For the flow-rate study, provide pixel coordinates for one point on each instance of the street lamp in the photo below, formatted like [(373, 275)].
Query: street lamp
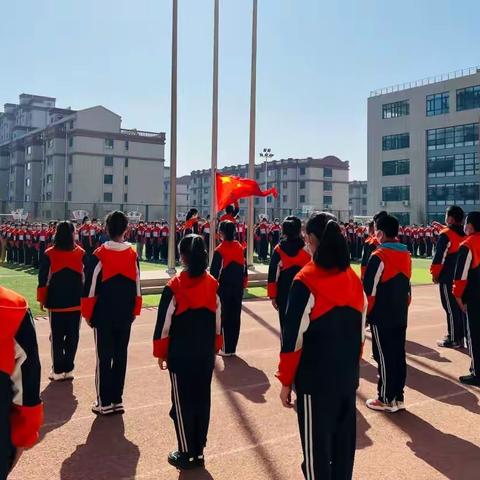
[(267, 155)]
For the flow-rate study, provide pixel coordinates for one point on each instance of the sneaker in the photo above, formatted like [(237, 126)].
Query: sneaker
[(223, 354), (99, 410), (69, 375), (379, 406), (200, 461), (447, 343), (118, 408), (182, 461), (56, 377), (470, 380), (401, 405)]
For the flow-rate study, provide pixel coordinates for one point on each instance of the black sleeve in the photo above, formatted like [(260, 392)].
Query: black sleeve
[(161, 335), (5, 405), (43, 271), (216, 266), (93, 276), (441, 250)]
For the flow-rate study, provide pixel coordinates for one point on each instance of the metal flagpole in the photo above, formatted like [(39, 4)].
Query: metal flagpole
[(213, 183), (173, 146), (251, 157)]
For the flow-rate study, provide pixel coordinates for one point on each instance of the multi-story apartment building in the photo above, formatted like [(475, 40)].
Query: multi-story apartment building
[(357, 198), (183, 191), (303, 185), (59, 160), (423, 147)]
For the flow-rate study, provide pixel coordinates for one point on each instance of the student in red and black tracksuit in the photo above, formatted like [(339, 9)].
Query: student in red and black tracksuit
[(466, 289), (288, 258), (262, 234), (21, 411), (140, 239), (206, 232), (112, 299), (231, 212), (371, 243), (229, 267), (274, 235), (321, 350), (165, 232), (187, 335), (387, 286), (156, 232), (60, 285), (191, 223), (443, 270)]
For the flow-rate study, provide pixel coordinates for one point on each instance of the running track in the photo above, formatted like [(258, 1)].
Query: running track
[(251, 436)]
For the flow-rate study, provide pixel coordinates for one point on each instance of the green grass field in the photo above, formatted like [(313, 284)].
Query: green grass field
[(24, 281)]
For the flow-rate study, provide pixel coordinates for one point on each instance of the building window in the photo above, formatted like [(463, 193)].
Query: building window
[(29, 150), (395, 194), (302, 198), (126, 180), (458, 193), (402, 217), (269, 199), (49, 161), (29, 166), (285, 171), (126, 163), (327, 200), (461, 164), (450, 137), (126, 145), (28, 182), (69, 195), (27, 198), (327, 172), (302, 170), (48, 196), (364, 201), (125, 197), (12, 169), (285, 184), (70, 141), (468, 98), (257, 175), (69, 178), (109, 143), (49, 178), (70, 159), (108, 179), (50, 143), (396, 109), (364, 190), (395, 167), (438, 104), (327, 186), (71, 124), (108, 162), (395, 142), (108, 197), (302, 185)]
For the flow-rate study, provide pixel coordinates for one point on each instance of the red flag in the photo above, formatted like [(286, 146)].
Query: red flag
[(230, 189)]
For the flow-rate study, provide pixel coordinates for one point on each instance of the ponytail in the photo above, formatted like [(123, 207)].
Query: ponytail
[(291, 227), (194, 253)]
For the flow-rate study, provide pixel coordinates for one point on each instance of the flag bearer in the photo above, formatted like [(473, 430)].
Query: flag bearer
[(112, 299), (321, 350), (466, 289), (186, 337), (387, 285), (60, 284), (229, 267)]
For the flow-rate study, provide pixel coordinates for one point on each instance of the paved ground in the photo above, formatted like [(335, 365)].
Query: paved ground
[(251, 435)]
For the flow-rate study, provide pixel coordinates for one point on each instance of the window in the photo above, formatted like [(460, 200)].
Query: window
[(69, 178), (108, 162), (364, 189), (12, 169), (458, 193), (108, 197), (395, 167), (109, 143), (48, 196), (126, 163), (269, 199), (257, 175), (438, 104), (70, 159), (364, 201), (453, 165), (302, 198), (126, 145), (108, 179), (29, 150), (125, 181), (395, 194), (302, 185), (27, 198), (71, 124), (28, 182), (29, 166), (284, 198), (49, 178), (50, 143), (125, 197), (327, 200), (403, 217), (285, 184), (450, 137), (205, 191), (49, 161), (69, 196), (302, 170), (395, 142), (396, 109), (327, 172), (285, 171), (327, 186), (468, 98), (70, 141)]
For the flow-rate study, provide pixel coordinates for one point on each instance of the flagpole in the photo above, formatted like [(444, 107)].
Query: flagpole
[(213, 183), (173, 146), (251, 157)]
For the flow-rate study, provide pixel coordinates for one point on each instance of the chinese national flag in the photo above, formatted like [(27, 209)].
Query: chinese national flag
[(231, 189)]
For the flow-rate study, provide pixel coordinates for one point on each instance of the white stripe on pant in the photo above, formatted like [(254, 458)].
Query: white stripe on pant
[(470, 347), (308, 429), (383, 369), (178, 411), (450, 313)]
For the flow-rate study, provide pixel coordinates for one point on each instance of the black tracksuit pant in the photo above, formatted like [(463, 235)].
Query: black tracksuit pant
[(231, 299), (190, 412), (473, 336), (429, 244), (21, 253), (389, 353), (328, 432), (65, 328), (111, 342), (455, 317)]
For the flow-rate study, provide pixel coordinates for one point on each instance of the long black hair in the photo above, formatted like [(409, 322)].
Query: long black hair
[(191, 213), (228, 229), (194, 253), (64, 236), (291, 227), (332, 249)]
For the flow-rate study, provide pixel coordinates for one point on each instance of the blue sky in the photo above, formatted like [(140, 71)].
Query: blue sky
[(317, 62)]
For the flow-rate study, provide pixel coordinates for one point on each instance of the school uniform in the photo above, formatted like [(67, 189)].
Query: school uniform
[(230, 269), (262, 233), (21, 245), (188, 334), (148, 243), (140, 240), (387, 286), (206, 234), (165, 232), (112, 299), (21, 411), (156, 231), (466, 286), (443, 270), (88, 238), (288, 258), (321, 349), (191, 226), (60, 285), (429, 241), (275, 231), (371, 243)]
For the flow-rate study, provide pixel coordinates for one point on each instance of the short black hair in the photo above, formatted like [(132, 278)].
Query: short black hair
[(473, 218), (117, 224), (291, 227), (229, 209), (228, 229), (388, 224), (456, 213), (64, 236), (379, 215)]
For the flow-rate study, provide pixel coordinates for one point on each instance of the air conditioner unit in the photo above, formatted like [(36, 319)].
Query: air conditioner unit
[(406, 203), (383, 204)]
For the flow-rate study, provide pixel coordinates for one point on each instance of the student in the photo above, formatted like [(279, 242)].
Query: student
[(191, 222), (187, 335), (229, 267), (387, 286), (262, 233), (288, 258), (371, 243), (60, 284), (112, 299), (443, 270), (466, 289), (321, 350), (21, 411), (231, 213), (140, 238), (274, 235)]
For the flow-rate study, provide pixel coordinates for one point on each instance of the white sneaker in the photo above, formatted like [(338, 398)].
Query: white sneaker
[(379, 406), (56, 377), (69, 375), (401, 405), (99, 410), (223, 354), (118, 408)]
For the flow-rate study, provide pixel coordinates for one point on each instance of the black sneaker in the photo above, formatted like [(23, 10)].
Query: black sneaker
[(118, 408), (470, 380), (182, 461), (200, 461), (447, 343)]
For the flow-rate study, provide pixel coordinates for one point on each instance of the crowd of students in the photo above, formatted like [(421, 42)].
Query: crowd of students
[(323, 308)]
